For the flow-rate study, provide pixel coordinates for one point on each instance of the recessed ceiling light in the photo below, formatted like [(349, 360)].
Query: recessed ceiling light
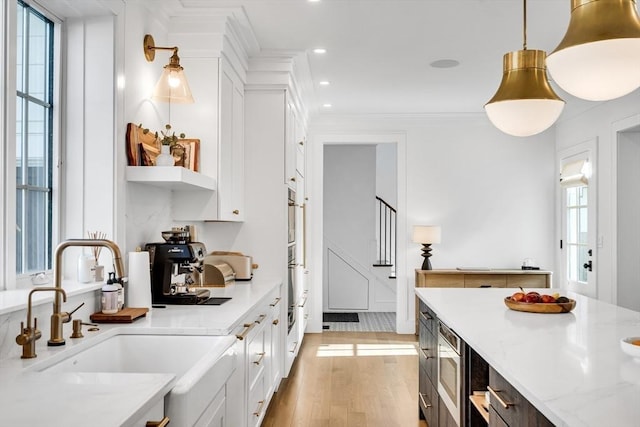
[(319, 50), (324, 83), (445, 63), (327, 105)]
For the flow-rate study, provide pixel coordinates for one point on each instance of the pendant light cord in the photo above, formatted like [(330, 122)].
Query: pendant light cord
[(524, 26)]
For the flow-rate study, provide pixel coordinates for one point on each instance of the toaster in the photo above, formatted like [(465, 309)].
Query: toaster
[(242, 265)]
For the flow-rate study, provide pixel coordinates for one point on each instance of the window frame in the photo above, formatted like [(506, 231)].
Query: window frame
[(12, 280)]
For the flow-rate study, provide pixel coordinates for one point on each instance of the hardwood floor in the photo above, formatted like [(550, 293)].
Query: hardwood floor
[(350, 379)]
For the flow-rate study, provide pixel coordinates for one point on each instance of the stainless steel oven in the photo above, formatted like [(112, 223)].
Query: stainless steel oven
[(449, 370)]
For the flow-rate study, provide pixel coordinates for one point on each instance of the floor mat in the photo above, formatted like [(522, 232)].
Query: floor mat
[(340, 317), (369, 322)]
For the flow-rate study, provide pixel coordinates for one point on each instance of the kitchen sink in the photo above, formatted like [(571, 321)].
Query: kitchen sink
[(201, 364)]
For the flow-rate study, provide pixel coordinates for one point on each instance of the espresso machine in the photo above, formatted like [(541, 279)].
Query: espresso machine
[(176, 269)]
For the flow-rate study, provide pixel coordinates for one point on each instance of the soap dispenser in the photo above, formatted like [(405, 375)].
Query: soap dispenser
[(110, 296)]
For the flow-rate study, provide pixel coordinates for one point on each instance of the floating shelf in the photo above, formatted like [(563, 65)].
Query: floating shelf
[(170, 177)]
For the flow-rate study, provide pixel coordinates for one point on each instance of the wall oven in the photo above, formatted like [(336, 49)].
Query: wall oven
[(449, 370)]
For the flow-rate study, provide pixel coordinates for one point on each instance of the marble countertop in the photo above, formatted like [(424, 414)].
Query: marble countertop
[(569, 366), (68, 399)]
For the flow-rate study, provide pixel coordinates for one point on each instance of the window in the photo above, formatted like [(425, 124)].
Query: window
[(577, 233), (34, 140)]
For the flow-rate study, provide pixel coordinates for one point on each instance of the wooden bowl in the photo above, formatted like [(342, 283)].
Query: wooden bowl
[(540, 307)]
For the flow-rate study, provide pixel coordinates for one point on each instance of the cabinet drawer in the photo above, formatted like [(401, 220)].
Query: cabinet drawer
[(428, 400), (527, 281), (257, 402), (427, 317), (256, 354), (444, 280), (495, 420), (427, 354), (516, 411), (480, 280)]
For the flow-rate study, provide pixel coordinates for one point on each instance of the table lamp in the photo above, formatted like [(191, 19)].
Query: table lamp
[(426, 235)]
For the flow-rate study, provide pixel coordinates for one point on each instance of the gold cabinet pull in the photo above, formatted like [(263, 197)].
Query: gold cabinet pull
[(304, 301), (301, 143), (162, 423), (236, 212), (424, 402), (259, 361), (275, 302), (260, 318), (259, 410), (293, 179), (247, 327), (276, 321), (504, 404)]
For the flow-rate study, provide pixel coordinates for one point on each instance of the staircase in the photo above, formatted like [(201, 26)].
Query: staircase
[(386, 236)]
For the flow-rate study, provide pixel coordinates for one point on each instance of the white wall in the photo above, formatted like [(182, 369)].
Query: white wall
[(492, 194), (602, 123), (628, 213), (387, 173)]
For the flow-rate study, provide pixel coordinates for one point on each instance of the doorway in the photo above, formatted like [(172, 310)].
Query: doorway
[(404, 295), (628, 218), (578, 202)]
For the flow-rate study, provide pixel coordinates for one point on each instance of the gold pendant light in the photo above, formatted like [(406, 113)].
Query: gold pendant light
[(525, 104), (599, 57)]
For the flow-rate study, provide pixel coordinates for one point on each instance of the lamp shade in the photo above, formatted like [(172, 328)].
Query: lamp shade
[(172, 86), (599, 57), (426, 234), (524, 104)]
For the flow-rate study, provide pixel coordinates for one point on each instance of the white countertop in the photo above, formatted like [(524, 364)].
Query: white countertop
[(569, 365), (69, 399)]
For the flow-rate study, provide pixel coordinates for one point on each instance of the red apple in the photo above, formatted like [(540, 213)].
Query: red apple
[(532, 297), (518, 296), (547, 298)]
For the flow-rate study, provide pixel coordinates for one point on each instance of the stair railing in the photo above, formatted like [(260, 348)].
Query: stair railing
[(385, 234)]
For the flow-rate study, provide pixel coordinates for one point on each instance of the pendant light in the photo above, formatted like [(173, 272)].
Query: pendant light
[(525, 104), (599, 57)]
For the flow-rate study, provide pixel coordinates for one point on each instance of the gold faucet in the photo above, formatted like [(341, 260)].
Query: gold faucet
[(29, 335), (59, 317)]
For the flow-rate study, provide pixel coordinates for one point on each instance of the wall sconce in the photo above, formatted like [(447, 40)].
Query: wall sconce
[(426, 235), (172, 85)]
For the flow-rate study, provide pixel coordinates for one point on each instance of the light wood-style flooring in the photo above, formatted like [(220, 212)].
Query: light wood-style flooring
[(350, 379)]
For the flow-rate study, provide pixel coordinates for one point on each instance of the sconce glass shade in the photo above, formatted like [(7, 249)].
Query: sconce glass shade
[(599, 57), (525, 104), (172, 86), (426, 234)]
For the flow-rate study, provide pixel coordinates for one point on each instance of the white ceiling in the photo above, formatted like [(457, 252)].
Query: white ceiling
[(379, 51)]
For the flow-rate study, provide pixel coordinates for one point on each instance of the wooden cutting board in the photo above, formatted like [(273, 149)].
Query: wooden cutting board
[(126, 315)]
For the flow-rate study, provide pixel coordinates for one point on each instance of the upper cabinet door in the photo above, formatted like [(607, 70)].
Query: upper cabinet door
[(231, 146), (219, 123)]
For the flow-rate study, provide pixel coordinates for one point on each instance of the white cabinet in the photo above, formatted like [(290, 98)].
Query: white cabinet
[(251, 388), (231, 147), (217, 119)]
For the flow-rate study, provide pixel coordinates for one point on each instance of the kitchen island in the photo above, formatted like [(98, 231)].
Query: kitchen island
[(568, 366)]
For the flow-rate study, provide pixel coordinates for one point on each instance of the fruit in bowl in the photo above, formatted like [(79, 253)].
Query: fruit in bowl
[(533, 302)]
